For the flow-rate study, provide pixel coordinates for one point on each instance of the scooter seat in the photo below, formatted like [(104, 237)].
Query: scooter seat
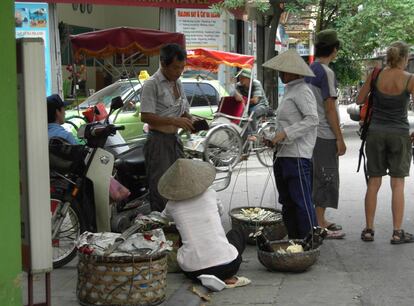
[(131, 161)]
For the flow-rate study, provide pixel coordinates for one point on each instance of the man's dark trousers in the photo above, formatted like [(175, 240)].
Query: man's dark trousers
[(161, 151)]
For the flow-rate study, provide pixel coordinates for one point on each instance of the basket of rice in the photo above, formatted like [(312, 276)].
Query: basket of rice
[(250, 219), (288, 256)]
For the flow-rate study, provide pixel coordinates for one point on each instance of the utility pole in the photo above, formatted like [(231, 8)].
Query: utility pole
[(271, 76)]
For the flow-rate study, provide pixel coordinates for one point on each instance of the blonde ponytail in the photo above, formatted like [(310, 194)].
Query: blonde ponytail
[(396, 53)]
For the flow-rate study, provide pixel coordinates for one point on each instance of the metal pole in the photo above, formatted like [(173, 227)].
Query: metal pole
[(48, 291), (30, 288)]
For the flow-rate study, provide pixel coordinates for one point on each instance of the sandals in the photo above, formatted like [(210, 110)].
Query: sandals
[(334, 227), (367, 234), (335, 235), (399, 236), (241, 281)]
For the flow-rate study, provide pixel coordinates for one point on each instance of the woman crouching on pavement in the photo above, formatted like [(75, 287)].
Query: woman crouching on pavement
[(297, 121), (195, 209)]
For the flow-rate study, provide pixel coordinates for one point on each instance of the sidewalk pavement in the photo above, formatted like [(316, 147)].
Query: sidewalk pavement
[(348, 272)]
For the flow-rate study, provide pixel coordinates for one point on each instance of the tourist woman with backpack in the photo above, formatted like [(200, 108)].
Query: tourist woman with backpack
[(388, 144)]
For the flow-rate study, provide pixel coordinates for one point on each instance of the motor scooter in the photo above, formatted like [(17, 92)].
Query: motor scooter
[(80, 183)]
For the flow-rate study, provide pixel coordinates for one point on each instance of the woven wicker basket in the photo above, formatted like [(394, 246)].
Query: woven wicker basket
[(128, 280), (171, 233), (291, 262), (273, 230)]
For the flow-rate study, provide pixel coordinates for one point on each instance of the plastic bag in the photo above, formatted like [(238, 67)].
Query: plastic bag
[(117, 191), (90, 114)]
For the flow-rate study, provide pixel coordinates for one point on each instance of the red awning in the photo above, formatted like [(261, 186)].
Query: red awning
[(123, 40), (206, 59), (152, 3)]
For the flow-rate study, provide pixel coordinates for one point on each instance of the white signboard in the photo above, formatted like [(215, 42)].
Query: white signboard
[(202, 28), (303, 50)]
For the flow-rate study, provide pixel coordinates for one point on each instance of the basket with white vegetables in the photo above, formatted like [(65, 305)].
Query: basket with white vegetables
[(251, 218), (288, 256)]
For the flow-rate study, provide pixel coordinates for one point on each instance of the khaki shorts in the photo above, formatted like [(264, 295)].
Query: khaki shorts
[(388, 154)]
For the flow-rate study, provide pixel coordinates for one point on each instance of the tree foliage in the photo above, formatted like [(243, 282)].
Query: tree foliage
[(376, 25), (364, 26), (235, 4), (331, 14)]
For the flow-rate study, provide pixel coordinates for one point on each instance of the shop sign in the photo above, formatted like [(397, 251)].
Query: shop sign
[(202, 28), (32, 21), (303, 50), (282, 39), (151, 3)]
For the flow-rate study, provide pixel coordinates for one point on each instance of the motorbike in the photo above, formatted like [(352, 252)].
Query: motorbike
[(81, 177)]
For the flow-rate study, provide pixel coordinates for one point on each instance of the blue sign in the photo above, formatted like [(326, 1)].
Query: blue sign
[(32, 20)]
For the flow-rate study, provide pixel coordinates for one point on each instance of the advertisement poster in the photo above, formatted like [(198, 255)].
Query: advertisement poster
[(32, 20), (282, 39), (202, 28)]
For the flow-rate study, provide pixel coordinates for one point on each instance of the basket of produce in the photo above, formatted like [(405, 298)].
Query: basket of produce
[(250, 219), (172, 234), (288, 256), (133, 274)]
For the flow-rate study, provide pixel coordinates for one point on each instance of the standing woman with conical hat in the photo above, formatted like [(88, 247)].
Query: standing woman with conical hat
[(295, 138)]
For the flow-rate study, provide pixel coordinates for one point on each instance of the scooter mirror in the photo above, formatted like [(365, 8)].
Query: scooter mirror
[(116, 103)]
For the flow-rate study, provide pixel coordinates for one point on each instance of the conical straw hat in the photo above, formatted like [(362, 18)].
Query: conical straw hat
[(185, 179), (289, 61)]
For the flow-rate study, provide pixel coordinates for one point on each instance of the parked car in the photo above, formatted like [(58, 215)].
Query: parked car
[(203, 96)]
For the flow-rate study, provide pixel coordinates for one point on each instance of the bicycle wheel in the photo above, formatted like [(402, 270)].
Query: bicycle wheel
[(264, 153), (223, 147), (70, 226)]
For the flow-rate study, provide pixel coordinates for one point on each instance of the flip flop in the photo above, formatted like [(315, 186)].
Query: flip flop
[(335, 235), (241, 281), (334, 227), (212, 282)]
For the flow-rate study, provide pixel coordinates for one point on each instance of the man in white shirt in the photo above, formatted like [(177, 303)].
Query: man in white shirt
[(195, 210)]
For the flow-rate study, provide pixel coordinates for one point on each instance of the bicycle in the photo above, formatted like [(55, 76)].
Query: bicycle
[(226, 143)]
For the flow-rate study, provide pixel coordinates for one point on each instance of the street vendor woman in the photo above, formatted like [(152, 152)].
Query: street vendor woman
[(164, 107), (194, 207), (297, 120)]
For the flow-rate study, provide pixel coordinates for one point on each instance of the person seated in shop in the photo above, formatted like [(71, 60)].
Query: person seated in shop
[(195, 209), (55, 119)]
